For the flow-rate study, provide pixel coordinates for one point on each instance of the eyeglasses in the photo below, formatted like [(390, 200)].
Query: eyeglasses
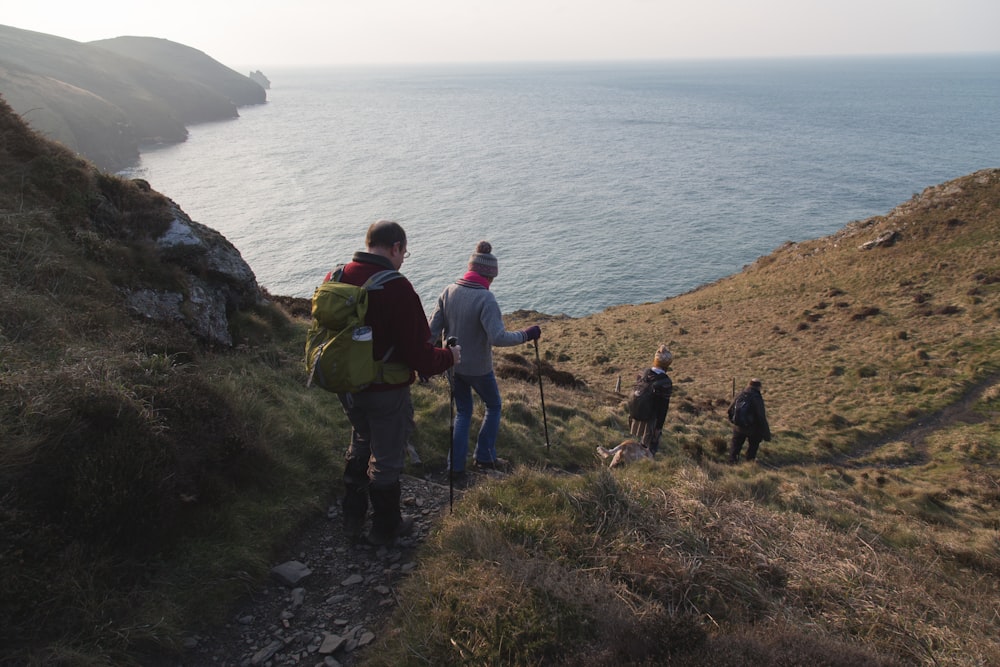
[(406, 253)]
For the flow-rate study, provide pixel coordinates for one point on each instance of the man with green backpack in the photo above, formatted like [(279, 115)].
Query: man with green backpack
[(380, 411)]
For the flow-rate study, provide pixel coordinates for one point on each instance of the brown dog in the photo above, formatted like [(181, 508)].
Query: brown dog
[(627, 452)]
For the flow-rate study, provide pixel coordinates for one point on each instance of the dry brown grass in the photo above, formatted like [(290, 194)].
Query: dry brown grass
[(671, 563), (867, 536), (834, 377)]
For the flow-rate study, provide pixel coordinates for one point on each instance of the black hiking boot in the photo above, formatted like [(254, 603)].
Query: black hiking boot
[(355, 504), (387, 521), (385, 538), (458, 479), (354, 526)]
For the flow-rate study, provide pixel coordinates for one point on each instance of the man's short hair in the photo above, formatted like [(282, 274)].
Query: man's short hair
[(384, 234)]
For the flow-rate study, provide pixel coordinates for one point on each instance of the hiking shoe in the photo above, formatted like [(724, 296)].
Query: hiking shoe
[(459, 479), (501, 465), (353, 527), (403, 529)]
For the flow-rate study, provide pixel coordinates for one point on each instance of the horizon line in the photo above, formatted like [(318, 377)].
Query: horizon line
[(632, 60)]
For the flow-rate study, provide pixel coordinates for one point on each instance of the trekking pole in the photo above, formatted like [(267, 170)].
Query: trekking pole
[(545, 421), (451, 342)]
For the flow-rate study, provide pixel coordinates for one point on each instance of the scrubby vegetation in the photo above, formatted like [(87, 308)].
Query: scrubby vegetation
[(145, 480)]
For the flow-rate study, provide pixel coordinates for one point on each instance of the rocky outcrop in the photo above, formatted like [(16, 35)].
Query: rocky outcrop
[(139, 250), (215, 281), (258, 77)]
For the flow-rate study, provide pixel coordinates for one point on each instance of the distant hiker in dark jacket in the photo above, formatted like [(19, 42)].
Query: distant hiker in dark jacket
[(753, 428), (381, 416), (648, 430), (468, 311)]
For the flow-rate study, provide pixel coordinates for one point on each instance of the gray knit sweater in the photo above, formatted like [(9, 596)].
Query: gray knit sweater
[(470, 312)]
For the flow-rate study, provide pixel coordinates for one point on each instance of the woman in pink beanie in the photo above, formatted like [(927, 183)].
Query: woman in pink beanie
[(468, 311)]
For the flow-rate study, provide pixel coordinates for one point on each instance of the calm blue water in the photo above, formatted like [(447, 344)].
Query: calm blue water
[(598, 184)]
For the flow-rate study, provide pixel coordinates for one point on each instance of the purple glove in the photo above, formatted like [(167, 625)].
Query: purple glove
[(531, 333)]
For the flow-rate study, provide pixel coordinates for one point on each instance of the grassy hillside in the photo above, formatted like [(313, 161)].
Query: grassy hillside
[(103, 99), (143, 476), (146, 480), (187, 63), (852, 342), (867, 533)]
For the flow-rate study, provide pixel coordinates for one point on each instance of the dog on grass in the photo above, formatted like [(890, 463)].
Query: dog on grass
[(625, 453)]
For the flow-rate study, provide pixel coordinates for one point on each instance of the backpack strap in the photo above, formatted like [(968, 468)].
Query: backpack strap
[(375, 283), (380, 279), (335, 274)]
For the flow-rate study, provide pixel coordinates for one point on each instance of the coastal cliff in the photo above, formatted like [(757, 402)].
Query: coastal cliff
[(160, 265), (187, 63), (103, 100)]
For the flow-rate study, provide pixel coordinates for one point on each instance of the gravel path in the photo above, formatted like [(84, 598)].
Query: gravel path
[(333, 614)]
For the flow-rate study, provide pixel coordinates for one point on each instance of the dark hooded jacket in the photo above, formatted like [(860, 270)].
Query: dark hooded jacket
[(759, 428)]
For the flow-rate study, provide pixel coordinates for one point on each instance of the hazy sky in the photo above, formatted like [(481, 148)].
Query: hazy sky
[(255, 33)]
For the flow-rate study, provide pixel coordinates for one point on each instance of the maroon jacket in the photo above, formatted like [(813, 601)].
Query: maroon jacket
[(397, 319)]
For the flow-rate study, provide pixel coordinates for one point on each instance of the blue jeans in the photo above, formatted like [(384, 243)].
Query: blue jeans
[(486, 443)]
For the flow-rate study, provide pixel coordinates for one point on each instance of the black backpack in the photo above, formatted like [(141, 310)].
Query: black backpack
[(741, 412), (640, 403)]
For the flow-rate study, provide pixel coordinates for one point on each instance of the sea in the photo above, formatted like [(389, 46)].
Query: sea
[(597, 183)]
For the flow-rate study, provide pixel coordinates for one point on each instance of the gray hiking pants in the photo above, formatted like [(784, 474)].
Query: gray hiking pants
[(381, 424)]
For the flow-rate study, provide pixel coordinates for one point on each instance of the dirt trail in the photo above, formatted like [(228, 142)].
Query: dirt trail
[(960, 412), (340, 609)]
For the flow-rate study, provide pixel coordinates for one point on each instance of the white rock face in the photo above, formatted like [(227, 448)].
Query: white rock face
[(217, 281)]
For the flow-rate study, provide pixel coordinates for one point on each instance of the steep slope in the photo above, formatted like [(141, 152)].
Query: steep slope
[(854, 335), (119, 319), (185, 62), (99, 103), (866, 532), (78, 119)]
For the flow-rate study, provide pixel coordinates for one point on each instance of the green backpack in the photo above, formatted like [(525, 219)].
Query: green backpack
[(339, 344)]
